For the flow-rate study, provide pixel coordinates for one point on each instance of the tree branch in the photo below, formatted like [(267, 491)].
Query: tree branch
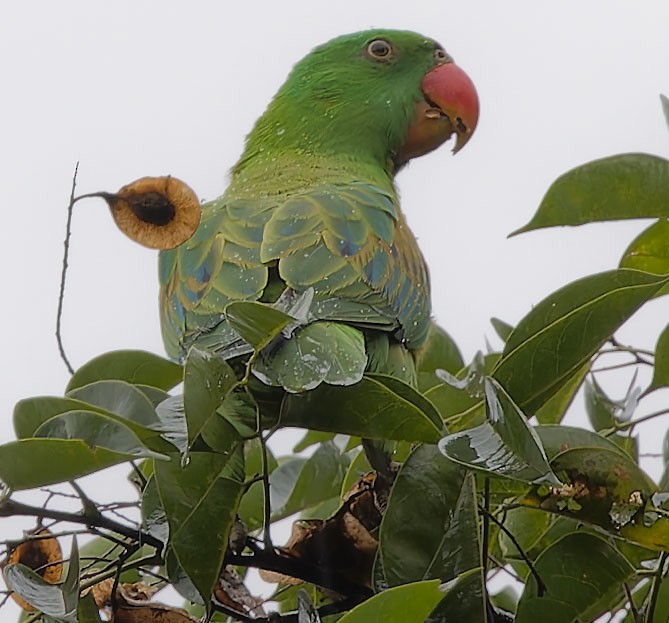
[(10, 508)]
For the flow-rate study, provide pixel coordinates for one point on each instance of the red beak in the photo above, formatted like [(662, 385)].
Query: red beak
[(452, 92)]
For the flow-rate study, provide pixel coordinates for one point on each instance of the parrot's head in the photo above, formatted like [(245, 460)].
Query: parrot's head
[(381, 95)]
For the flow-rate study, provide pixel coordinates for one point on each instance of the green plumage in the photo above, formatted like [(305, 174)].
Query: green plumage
[(312, 205)]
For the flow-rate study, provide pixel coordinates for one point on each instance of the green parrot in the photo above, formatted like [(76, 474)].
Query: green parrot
[(311, 221)]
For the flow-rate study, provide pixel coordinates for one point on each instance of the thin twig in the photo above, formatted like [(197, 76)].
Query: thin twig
[(632, 423), (541, 587), (655, 589), (66, 253), (336, 607), (632, 606)]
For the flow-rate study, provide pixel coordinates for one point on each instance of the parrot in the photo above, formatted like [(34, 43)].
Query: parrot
[(311, 222)]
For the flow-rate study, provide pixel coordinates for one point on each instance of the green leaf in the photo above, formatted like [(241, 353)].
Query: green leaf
[(439, 352), (555, 408), (410, 603), (58, 601), (358, 467), (22, 463), (207, 381), (503, 329), (528, 526), (459, 399), (31, 413), (302, 483), (661, 369), (252, 505), (171, 414), (98, 431), (257, 323), (600, 408), (200, 501), (431, 513), (87, 610), (465, 600), (120, 398), (47, 598), (562, 332), (133, 366), (154, 519), (563, 567), (607, 489), (505, 445), (557, 439), (625, 186), (378, 407), (649, 251)]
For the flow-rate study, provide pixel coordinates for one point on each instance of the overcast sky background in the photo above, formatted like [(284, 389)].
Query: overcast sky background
[(150, 88)]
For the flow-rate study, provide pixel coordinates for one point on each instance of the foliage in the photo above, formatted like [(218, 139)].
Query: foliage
[(485, 479)]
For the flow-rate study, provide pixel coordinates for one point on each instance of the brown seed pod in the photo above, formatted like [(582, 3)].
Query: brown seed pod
[(157, 212), (43, 556)]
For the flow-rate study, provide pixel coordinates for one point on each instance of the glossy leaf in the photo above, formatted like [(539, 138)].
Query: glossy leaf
[(558, 439), (600, 408), (67, 459), (607, 489), (625, 186), (661, 369), (465, 600), (649, 251), (527, 526), (562, 332), (459, 399), (563, 567), (252, 505), (43, 596), (132, 366), (301, 483), (31, 413), (58, 601), (431, 513), (378, 407), (505, 445), (410, 603), (439, 352), (358, 467), (207, 381), (503, 329), (555, 408), (154, 519), (257, 323), (98, 431), (171, 414), (87, 610), (120, 398), (209, 486)]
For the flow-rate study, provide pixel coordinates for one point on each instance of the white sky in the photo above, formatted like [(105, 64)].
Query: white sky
[(148, 88)]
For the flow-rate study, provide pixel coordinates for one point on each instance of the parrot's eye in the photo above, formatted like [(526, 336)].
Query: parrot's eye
[(440, 56), (379, 49)]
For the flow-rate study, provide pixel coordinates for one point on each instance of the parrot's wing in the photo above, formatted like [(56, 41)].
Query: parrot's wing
[(219, 264), (348, 243), (351, 244)]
